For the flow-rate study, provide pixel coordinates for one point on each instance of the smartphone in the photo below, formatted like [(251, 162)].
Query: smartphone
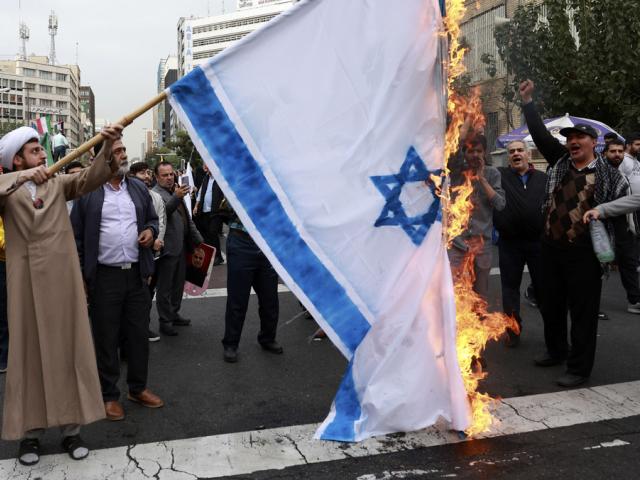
[(184, 181)]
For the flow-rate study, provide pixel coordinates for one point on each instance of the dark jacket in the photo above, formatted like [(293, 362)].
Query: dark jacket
[(522, 218), (181, 232), (217, 197), (87, 215)]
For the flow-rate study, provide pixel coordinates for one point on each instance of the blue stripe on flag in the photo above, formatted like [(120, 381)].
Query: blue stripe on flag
[(217, 132), (443, 7), (347, 408)]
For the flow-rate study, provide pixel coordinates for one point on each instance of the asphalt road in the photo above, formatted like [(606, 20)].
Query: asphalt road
[(205, 396)]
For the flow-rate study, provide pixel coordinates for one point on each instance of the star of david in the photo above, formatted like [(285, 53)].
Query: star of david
[(393, 213)]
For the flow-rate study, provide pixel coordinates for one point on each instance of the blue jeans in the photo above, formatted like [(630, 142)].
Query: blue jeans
[(4, 326)]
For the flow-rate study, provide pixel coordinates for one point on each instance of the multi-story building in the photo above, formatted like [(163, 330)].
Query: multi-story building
[(161, 112), (478, 28), (202, 38), (12, 98), (101, 123), (169, 120), (52, 90), (88, 111)]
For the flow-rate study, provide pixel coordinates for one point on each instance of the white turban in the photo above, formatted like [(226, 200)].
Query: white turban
[(12, 142)]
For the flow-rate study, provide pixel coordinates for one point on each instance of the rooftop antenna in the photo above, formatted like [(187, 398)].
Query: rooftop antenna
[(24, 36), (23, 32), (76, 53), (53, 31)]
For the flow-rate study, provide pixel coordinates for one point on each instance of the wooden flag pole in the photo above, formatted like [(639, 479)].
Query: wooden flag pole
[(124, 121)]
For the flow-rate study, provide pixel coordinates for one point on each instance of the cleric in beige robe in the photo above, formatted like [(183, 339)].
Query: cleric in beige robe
[(52, 379)]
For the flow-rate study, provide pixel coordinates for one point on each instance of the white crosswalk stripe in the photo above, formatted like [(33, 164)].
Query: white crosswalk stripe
[(278, 448)]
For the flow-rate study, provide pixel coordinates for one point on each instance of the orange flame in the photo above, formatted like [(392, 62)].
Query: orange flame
[(475, 325)]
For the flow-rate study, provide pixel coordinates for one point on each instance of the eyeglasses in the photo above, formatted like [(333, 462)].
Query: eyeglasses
[(514, 150)]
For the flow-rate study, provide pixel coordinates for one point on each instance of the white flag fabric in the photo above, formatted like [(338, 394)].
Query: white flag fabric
[(323, 129)]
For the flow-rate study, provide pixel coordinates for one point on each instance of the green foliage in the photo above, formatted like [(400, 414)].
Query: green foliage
[(6, 127), (162, 153), (184, 148), (592, 73), (175, 151)]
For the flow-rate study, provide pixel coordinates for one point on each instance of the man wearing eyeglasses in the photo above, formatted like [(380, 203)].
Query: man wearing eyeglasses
[(520, 226)]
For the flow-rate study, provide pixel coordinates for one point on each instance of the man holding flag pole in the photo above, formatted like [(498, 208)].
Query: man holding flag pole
[(52, 378), (328, 161)]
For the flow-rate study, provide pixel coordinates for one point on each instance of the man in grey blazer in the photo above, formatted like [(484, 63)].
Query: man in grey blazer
[(181, 234)]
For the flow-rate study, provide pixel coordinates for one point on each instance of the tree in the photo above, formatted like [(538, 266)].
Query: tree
[(184, 148), (162, 153), (6, 127), (584, 58)]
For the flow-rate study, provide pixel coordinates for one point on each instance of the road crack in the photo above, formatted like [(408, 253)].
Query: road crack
[(295, 445), (522, 416)]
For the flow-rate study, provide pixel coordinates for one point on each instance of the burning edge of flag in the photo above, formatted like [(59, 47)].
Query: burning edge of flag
[(475, 325)]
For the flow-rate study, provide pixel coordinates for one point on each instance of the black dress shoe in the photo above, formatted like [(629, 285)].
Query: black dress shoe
[(168, 330), (570, 380), (218, 261), (546, 360), (273, 347), (181, 322), (230, 354)]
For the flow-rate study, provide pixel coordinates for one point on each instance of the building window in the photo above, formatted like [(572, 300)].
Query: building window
[(62, 91), (46, 89), (29, 72), (207, 54), (491, 130), (45, 75), (61, 77), (60, 104), (46, 103), (220, 39), (233, 23), (479, 33)]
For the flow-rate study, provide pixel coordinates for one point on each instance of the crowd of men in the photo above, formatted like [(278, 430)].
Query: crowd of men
[(542, 221), (123, 232)]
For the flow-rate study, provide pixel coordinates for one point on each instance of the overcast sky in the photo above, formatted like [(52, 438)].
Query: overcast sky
[(120, 43)]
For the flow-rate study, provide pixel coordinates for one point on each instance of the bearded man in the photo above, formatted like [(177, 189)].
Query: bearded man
[(52, 378)]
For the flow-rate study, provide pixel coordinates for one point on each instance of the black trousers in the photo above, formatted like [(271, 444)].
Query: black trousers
[(210, 226), (170, 271), (248, 267), (571, 279), (626, 247), (119, 305), (513, 255)]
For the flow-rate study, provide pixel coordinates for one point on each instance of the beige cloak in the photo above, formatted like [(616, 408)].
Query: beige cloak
[(52, 378)]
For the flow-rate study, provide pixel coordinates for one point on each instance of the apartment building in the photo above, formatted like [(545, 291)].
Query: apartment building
[(52, 90)]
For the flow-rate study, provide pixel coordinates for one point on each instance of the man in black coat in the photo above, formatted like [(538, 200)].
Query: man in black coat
[(520, 227), (114, 229), (208, 214)]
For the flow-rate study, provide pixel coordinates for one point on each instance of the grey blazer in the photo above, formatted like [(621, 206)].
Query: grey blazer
[(176, 237)]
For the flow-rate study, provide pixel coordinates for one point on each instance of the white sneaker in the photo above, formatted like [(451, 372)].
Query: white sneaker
[(634, 308)]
